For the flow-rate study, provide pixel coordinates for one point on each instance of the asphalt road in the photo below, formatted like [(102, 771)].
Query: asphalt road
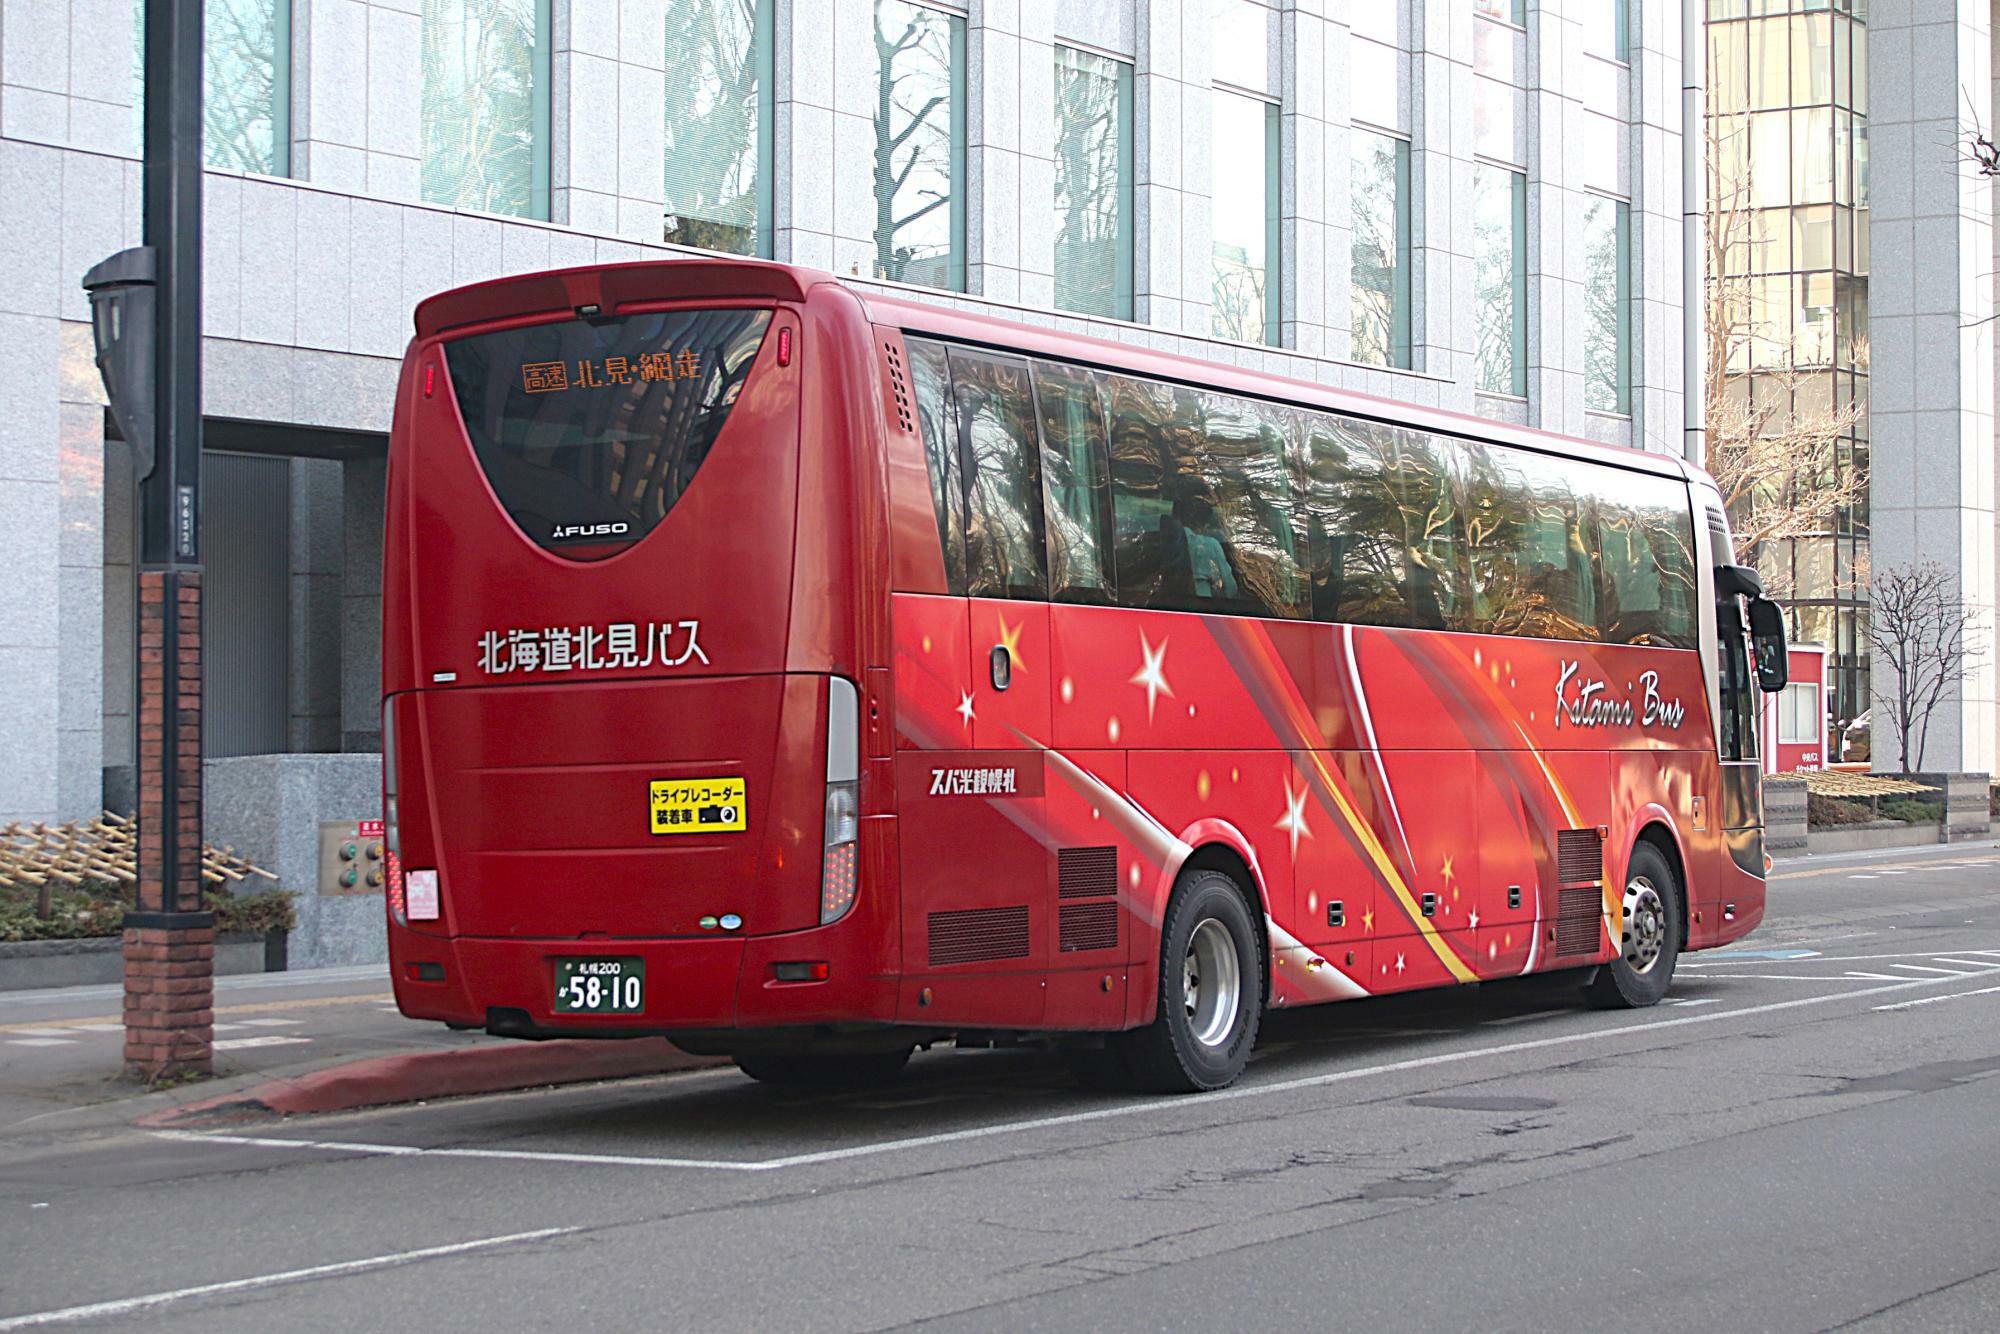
[(1801, 1139)]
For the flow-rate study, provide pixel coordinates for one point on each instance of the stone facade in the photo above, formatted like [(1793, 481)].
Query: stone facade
[(310, 280)]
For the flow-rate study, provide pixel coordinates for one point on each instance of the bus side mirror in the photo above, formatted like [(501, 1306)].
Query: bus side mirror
[(1767, 639)]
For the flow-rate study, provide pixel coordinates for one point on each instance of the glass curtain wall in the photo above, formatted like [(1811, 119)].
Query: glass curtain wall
[(1788, 127), (918, 160), (717, 169), (485, 106), (247, 84), (1093, 202)]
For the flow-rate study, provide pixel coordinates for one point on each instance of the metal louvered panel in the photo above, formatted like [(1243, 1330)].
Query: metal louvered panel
[(1579, 856), (1086, 873), (978, 935), (1578, 912), (1089, 926), (901, 384)]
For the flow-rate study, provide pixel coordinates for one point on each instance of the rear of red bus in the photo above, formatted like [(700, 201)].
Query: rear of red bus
[(632, 552)]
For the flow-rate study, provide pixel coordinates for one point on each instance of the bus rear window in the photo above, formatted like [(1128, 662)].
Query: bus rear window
[(590, 430)]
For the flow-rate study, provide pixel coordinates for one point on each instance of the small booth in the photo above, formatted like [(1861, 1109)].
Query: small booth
[(1794, 728)]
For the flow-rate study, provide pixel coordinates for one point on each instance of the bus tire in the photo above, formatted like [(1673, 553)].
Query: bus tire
[(1210, 992), (1651, 944), (827, 1070)]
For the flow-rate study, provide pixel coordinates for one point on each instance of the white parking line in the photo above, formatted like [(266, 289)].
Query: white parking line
[(41, 1042), (1704, 1000), (1137, 1108), (42, 1032), (272, 1023), (1875, 977), (127, 1305), (267, 1040), (1969, 963), (1524, 1018), (1926, 968), (1932, 1000)]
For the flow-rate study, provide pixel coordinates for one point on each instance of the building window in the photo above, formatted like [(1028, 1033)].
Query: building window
[(919, 152), (1093, 200), (1798, 714), (247, 84), (1605, 27), (1607, 260), (1381, 248), (717, 171), (1244, 241), (1500, 258), (1507, 11), (485, 108)]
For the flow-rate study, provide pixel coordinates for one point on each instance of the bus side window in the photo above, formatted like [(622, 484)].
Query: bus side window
[(1076, 481), (1645, 541), (1245, 462), (1000, 460), (1360, 533), (930, 373), (1146, 470)]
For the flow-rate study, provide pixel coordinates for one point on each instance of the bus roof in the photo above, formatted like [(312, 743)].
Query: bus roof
[(609, 286)]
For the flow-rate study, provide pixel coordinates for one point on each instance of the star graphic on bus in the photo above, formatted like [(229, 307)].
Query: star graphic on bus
[(1010, 639), (1294, 820), (1399, 963), (1150, 674), (1472, 919), (964, 709)]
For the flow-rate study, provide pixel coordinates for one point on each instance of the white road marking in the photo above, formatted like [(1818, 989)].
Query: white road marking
[(1875, 977), (1046, 1122), (127, 1305), (41, 1042), (1892, 873), (267, 1040), (272, 1023), (1969, 963), (1926, 968), (1524, 1018), (1704, 1000), (1861, 877), (42, 1032), (1932, 1000), (98, 1028)]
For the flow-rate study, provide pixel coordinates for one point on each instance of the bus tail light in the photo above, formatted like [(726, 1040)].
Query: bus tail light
[(840, 865)]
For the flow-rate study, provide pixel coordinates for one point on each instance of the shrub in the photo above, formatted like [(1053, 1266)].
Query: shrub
[(98, 908), (1911, 810), (1822, 812)]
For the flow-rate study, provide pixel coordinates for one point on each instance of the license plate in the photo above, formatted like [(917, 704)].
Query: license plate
[(699, 806), (600, 986)]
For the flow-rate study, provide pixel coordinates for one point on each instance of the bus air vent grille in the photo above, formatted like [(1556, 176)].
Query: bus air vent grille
[(1086, 873), (976, 935), (1578, 912), (1579, 856), (900, 383), (1089, 926)]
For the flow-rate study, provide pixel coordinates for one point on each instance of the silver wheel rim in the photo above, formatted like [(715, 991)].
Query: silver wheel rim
[(1213, 984), (1645, 925)]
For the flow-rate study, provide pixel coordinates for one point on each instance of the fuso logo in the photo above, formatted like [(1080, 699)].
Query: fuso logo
[(569, 531), (972, 782)]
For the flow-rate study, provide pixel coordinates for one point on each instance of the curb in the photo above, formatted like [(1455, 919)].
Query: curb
[(378, 1081)]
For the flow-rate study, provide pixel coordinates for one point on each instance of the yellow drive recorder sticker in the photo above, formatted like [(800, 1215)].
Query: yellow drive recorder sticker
[(698, 806)]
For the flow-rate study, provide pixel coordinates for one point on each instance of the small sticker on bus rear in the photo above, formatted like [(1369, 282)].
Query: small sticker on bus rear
[(699, 806)]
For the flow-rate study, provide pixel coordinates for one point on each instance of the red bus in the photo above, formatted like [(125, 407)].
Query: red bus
[(808, 674)]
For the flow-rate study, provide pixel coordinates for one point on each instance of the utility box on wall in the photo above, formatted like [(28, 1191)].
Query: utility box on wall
[(352, 857)]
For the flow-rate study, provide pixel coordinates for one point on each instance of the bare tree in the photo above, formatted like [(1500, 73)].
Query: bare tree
[(1774, 454), (1920, 631), (913, 124)]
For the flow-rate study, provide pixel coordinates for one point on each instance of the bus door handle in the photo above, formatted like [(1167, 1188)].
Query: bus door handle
[(1003, 667)]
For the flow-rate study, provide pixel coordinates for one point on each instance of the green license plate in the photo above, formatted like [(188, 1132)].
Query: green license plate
[(600, 986)]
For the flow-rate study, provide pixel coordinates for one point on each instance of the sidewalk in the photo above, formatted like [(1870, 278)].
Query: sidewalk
[(317, 1040)]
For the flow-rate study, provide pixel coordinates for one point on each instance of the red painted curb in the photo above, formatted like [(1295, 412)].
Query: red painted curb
[(378, 1081)]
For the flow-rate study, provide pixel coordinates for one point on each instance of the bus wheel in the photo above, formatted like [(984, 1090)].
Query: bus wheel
[(1651, 941), (817, 1069), (1211, 992)]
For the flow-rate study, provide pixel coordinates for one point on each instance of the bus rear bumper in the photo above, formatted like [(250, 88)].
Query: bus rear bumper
[(508, 985)]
